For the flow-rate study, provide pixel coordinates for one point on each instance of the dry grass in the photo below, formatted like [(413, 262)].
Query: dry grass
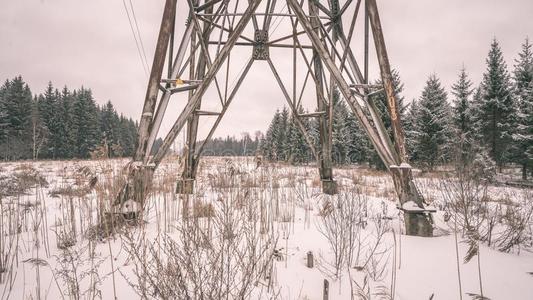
[(203, 210), (235, 208)]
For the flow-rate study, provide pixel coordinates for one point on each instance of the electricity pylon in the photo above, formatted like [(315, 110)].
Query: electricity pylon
[(314, 36)]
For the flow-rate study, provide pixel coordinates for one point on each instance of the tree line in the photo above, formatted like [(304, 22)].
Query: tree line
[(246, 145), (488, 123), (60, 124)]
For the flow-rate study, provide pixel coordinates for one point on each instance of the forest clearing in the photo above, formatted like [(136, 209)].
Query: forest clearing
[(247, 232)]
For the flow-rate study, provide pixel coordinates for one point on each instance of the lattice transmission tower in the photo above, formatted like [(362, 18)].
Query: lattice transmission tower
[(318, 36)]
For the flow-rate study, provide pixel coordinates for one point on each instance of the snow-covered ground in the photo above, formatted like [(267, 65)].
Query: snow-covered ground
[(277, 214)]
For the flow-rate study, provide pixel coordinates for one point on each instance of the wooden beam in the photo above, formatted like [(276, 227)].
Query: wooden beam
[(155, 78)]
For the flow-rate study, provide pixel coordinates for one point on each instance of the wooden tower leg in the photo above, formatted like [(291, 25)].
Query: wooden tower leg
[(329, 186), (394, 158), (415, 223), (140, 174), (185, 185)]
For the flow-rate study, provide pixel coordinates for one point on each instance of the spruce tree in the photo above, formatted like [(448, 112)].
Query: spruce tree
[(357, 144), (128, 136), (381, 102), (40, 132), (110, 131), (85, 123), (17, 108), (432, 128), (280, 140), (298, 149), (269, 145), (3, 114), (48, 106), (339, 134), (66, 137), (462, 118), (523, 82), (497, 119), (380, 99), (410, 128)]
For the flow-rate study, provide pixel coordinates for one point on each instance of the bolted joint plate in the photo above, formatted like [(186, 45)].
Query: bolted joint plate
[(260, 49)]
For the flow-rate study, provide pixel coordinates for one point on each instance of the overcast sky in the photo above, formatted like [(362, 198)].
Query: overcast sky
[(89, 43)]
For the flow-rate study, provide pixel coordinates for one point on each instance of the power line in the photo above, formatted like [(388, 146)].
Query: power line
[(139, 35), (143, 62)]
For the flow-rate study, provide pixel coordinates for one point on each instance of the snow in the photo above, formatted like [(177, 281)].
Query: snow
[(405, 165), (420, 266), (411, 206)]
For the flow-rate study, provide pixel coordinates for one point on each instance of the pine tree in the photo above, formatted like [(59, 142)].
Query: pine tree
[(3, 114), (48, 106), (432, 128), (17, 108), (339, 132), (110, 129), (410, 128), (269, 145), (380, 100), (496, 108), (281, 142), (85, 123), (462, 117), (298, 149), (40, 133), (128, 136), (357, 144), (155, 147), (66, 137), (523, 82)]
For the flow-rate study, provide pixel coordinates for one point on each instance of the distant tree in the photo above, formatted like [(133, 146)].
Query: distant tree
[(462, 118), (17, 111), (380, 99), (268, 146), (357, 144), (496, 108), (157, 144), (410, 128), (282, 143), (340, 134), (259, 139), (230, 146), (110, 129), (4, 122), (523, 83), (59, 124), (247, 143), (432, 126), (48, 110), (66, 138), (85, 123), (128, 136), (40, 132), (298, 150)]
